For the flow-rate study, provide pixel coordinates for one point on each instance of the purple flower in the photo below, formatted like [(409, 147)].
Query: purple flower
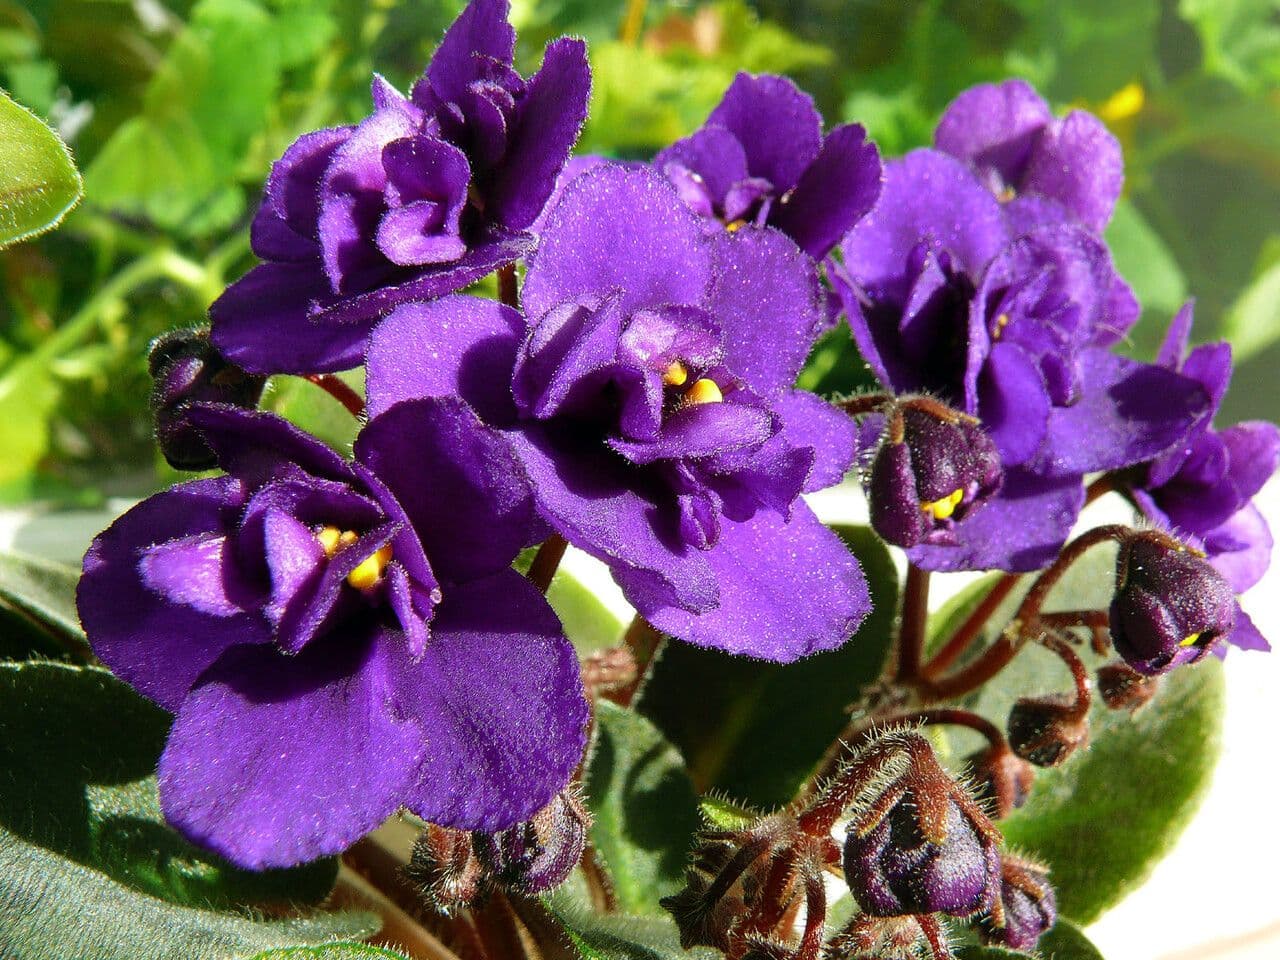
[(760, 159), (1042, 167), (946, 296), (423, 197), (338, 639), (647, 390)]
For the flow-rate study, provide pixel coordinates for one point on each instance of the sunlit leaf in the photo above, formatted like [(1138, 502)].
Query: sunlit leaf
[(39, 182)]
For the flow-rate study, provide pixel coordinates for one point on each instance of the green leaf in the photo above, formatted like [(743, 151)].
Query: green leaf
[(616, 937), (1063, 942), (1142, 258), (54, 909), (587, 622), (755, 730), (77, 753), (1253, 322), (44, 592), (312, 409), (39, 183), (644, 808), (331, 951)]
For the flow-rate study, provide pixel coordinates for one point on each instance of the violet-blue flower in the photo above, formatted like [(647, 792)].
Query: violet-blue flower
[(1043, 167), (946, 296), (426, 195), (647, 389), (338, 639), (760, 158)]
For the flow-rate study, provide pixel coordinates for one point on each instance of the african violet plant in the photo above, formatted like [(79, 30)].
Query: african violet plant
[(346, 639)]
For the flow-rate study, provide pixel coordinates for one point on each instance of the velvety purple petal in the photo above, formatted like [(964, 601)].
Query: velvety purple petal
[(596, 501), (619, 228), (1253, 448), (480, 31), (500, 701), (776, 123), (1078, 162), (259, 446), (1013, 403), (196, 571), (155, 645), (293, 188), (294, 558), (1240, 549), (273, 239), (1021, 528), (1121, 312), (261, 323), (276, 760), (994, 126), (408, 236), (1246, 635), (1127, 412), (564, 347), (456, 346), (809, 421), (702, 430), (713, 155), (576, 167), (545, 129), (787, 589), (875, 331), (1174, 346), (926, 196), (769, 305), (1210, 365), (457, 480), (839, 187)]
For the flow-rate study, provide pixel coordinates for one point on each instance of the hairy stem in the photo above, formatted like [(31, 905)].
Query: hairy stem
[(915, 616), (864, 403), (547, 561)]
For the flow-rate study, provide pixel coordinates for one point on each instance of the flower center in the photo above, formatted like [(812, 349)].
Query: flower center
[(705, 390), (1002, 321), (1190, 640), (369, 572), (943, 508)]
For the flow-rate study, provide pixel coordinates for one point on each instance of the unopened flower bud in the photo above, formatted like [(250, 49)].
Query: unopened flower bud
[(921, 844), (445, 869), (1170, 605), (186, 369), (1001, 778), (1123, 688), (1029, 906), (933, 467), (536, 856), (1046, 730), (884, 938)]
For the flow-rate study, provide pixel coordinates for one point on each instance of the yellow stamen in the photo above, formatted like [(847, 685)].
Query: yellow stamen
[(944, 508), (1002, 321), (704, 391), (733, 226), (1007, 194), (367, 575), (328, 538), (1190, 640), (676, 374), (1126, 102)]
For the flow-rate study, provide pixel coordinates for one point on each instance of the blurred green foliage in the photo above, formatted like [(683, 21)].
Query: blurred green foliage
[(174, 110)]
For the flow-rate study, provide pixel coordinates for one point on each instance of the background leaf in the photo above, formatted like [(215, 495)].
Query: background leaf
[(331, 951), (756, 730), (615, 937), (45, 593), (39, 183), (1063, 942)]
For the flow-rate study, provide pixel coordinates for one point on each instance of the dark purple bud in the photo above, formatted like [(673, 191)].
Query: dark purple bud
[(445, 869), (186, 369), (921, 844), (1123, 688), (1029, 907), (1001, 779), (536, 856), (933, 467), (1046, 730), (1170, 605)]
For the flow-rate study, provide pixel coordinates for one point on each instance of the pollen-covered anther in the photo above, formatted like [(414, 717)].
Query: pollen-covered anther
[(733, 226), (1190, 640), (1002, 321), (332, 540), (703, 391), (943, 508), (676, 374), (369, 573)]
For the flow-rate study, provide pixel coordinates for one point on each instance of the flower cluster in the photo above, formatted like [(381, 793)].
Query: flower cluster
[(342, 636)]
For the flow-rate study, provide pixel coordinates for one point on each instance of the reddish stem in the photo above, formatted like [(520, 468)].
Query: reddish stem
[(915, 615), (643, 641), (865, 403), (507, 291), (340, 390), (969, 631), (547, 561), (955, 717)]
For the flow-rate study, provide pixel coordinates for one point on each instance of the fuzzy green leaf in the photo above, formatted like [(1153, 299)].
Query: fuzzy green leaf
[(39, 183), (43, 593), (1063, 942), (644, 807), (617, 937), (331, 951)]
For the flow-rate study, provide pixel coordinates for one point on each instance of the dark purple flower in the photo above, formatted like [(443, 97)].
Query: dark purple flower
[(1170, 606), (338, 639), (1029, 906), (647, 390), (423, 197), (1030, 159), (946, 296), (760, 159), (536, 856), (1204, 487)]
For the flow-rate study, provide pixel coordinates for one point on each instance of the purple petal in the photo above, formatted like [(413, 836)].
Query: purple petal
[(769, 305), (1174, 347), (500, 701), (273, 239), (148, 641), (776, 123), (547, 126), (261, 323), (1127, 412), (1240, 549), (456, 346), (277, 760), (926, 196), (294, 558), (480, 31), (994, 126), (597, 502), (1021, 528), (714, 156), (564, 346), (457, 480), (1078, 162), (619, 228), (839, 187), (258, 446), (809, 421), (702, 430), (1253, 448), (196, 571), (788, 589), (1210, 365), (1013, 403), (293, 188), (1246, 635)]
